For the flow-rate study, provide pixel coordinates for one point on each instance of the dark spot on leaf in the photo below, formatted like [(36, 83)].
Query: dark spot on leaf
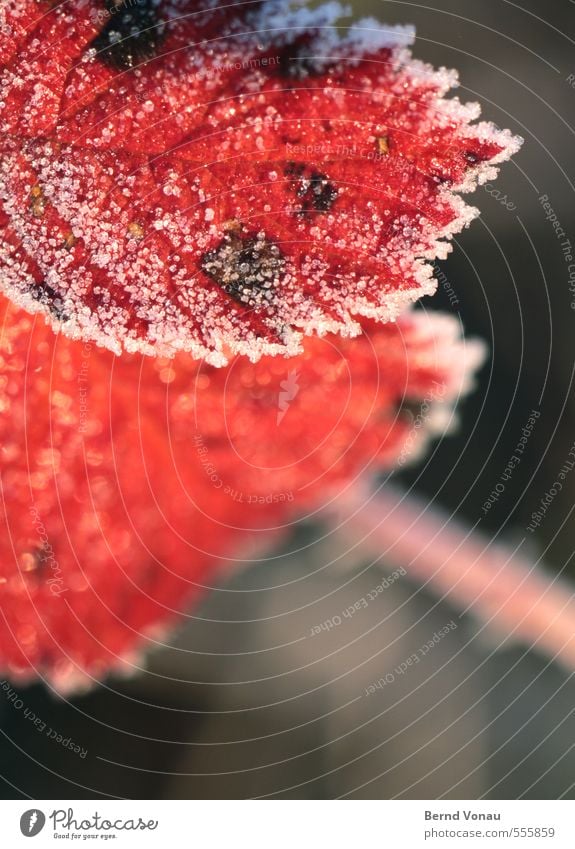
[(409, 408), (295, 169), (472, 157), (132, 33), (246, 267), (46, 295), (312, 187), (41, 554)]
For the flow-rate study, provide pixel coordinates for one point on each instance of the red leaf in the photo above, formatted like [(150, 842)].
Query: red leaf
[(129, 483), (224, 181)]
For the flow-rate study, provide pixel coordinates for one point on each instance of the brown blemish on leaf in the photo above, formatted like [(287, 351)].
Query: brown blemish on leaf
[(383, 145), (37, 202), (135, 230), (69, 241)]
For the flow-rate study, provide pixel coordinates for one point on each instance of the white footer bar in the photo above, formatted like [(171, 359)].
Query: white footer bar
[(289, 824)]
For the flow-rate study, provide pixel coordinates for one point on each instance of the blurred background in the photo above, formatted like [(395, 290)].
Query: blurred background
[(244, 701)]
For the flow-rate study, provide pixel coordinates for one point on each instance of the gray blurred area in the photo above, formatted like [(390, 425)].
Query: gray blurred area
[(254, 699), (245, 702)]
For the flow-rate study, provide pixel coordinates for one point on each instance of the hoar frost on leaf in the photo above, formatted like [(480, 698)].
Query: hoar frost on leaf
[(146, 151)]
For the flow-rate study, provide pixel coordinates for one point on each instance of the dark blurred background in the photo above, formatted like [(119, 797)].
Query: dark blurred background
[(243, 702)]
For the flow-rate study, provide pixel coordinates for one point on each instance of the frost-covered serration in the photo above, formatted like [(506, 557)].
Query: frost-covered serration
[(244, 176)]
